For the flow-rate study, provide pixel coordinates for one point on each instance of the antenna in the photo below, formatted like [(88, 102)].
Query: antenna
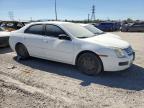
[(56, 9), (93, 13)]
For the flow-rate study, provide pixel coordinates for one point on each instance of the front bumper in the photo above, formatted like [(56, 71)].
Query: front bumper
[(117, 64)]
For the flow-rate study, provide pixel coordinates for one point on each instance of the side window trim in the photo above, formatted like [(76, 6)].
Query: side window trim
[(43, 33)]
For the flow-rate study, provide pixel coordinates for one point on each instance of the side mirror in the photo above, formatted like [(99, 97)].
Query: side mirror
[(64, 37)]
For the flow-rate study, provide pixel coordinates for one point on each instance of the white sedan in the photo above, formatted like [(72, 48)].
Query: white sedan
[(72, 44)]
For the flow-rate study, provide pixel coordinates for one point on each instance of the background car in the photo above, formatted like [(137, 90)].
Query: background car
[(136, 27), (11, 25), (1, 29), (109, 26), (4, 38)]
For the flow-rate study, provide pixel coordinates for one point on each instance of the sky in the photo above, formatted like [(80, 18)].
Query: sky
[(72, 9)]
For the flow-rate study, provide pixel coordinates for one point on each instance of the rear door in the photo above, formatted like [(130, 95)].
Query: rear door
[(33, 38)]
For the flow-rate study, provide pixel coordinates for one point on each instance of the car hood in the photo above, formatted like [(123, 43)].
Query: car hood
[(113, 35), (4, 34), (108, 40)]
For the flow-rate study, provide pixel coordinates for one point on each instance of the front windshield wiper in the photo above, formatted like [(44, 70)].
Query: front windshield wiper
[(87, 37), (82, 37), (100, 33)]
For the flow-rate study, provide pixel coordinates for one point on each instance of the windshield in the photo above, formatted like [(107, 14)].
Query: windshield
[(1, 29), (94, 29), (78, 31)]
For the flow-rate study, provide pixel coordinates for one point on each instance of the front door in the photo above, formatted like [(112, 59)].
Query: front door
[(55, 48)]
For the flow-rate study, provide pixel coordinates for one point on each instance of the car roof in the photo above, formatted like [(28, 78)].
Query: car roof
[(84, 24), (50, 22), (58, 23)]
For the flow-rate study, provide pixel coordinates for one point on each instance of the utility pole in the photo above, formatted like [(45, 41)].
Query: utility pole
[(11, 15), (31, 19), (88, 17), (56, 9), (93, 13)]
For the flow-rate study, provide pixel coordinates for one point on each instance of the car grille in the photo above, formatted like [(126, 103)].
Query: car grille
[(129, 51)]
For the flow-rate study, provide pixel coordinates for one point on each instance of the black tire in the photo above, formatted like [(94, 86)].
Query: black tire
[(89, 63), (22, 52), (123, 30)]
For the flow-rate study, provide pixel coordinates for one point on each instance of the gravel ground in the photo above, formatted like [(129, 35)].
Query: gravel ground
[(38, 83)]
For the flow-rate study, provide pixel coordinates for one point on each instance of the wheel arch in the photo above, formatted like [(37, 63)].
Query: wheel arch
[(24, 54), (88, 51), (18, 43)]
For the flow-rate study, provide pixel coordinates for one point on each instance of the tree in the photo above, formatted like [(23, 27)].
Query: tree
[(129, 20)]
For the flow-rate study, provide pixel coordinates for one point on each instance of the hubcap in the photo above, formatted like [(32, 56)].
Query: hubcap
[(88, 63), (21, 51)]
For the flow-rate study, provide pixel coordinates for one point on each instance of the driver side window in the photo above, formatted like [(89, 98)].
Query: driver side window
[(53, 31)]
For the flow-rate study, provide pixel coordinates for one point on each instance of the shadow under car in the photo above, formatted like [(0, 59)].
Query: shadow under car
[(130, 79), (5, 50)]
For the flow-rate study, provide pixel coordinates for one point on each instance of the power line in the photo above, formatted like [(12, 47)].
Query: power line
[(93, 13)]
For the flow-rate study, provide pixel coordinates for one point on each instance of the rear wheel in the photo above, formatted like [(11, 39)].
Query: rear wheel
[(22, 52), (89, 63)]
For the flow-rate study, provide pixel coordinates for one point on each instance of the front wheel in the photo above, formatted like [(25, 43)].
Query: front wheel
[(89, 63)]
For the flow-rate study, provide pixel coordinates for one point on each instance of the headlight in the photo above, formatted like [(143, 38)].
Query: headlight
[(119, 52)]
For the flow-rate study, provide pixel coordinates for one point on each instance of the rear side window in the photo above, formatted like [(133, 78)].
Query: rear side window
[(35, 29), (54, 31)]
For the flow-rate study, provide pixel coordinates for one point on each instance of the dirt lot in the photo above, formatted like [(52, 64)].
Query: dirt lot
[(37, 83)]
